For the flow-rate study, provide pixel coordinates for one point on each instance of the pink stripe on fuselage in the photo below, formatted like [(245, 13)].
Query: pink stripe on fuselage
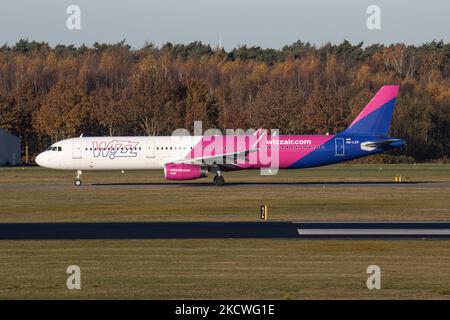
[(290, 148), (384, 95)]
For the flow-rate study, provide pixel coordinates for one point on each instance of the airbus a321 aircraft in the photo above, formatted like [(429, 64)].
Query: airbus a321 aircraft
[(192, 157)]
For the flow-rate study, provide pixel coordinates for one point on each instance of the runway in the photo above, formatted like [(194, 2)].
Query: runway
[(247, 185), (225, 230)]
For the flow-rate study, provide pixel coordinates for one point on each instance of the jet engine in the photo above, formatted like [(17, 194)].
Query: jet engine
[(182, 171)]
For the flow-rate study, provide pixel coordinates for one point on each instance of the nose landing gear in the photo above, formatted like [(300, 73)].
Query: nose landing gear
[(77, 181)]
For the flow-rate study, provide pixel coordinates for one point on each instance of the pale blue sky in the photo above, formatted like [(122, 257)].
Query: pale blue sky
[(267, 23)]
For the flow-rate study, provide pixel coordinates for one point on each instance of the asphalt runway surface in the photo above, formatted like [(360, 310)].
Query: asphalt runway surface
[(422, 184), (160, 185), (225, 230)]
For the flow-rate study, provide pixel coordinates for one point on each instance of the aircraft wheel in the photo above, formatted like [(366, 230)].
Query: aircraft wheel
[(77, 182), (219, 181)]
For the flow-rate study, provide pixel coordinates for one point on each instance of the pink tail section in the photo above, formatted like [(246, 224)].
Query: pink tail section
[(375, 118), (384, 95)]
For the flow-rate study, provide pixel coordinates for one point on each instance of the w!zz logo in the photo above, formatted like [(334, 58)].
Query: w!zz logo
[(114, 148)]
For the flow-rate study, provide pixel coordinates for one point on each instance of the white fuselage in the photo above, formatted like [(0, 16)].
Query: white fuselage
[(116, 153)]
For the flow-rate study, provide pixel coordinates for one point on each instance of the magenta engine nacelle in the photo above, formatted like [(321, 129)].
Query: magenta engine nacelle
[(183, 171)]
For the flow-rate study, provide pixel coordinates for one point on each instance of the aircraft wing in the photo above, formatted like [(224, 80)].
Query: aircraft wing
[(223, 160), (217, 158)]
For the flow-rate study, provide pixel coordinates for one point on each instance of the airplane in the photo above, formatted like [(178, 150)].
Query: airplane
[(193, 157)]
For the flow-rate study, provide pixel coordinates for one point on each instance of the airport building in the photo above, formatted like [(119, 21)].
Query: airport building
[(9, 149)]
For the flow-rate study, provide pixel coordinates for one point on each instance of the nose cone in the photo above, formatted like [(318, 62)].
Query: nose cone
[(40, 159)]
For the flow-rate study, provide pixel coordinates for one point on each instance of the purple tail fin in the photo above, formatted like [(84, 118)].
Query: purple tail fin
[(375, 118)]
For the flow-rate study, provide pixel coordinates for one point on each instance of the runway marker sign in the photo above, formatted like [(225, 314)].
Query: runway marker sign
[(263, 212)]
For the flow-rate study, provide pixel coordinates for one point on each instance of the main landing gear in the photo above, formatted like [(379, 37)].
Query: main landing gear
[(77, 181), (219, 180)]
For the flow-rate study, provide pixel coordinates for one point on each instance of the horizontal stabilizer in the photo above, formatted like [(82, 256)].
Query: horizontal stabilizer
[(383, 144)]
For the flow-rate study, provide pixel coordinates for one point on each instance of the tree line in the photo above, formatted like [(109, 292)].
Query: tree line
[(51, 93)]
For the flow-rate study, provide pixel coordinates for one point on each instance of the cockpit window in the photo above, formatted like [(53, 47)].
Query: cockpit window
[(54, 148)]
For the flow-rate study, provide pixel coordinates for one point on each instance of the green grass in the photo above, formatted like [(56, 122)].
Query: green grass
[(227, 269), (34, 194)]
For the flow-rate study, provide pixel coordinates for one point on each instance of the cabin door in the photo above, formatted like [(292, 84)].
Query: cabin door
[(150, 148), (340, 148), (77, 148)]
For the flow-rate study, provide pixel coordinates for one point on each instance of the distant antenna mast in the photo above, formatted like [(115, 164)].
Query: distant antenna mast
[(220, 42)]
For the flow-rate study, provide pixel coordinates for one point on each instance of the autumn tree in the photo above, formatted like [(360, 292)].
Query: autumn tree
[(200, 105), (49, 93), (149, 97), (64, 112)]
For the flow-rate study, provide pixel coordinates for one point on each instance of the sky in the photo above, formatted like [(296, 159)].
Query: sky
[(233, 23)]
